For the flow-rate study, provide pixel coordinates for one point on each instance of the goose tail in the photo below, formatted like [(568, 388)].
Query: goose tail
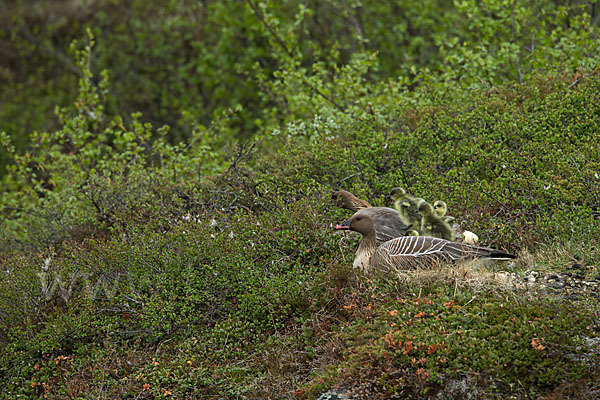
[(501, 255)]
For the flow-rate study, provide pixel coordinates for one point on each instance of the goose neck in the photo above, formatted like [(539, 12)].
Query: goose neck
[(365, 250)]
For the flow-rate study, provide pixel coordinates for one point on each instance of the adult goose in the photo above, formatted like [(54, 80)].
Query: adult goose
[(388, 224), (409, 252)]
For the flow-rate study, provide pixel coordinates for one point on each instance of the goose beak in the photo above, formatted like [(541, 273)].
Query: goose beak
[(345, 225)]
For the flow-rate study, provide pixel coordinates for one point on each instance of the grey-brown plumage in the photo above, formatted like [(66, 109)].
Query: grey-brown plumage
[(407, 207), (435, 226), (388, 224), (409, 252), (347, 200)]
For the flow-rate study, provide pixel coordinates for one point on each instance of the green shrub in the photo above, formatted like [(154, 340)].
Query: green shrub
[(418, 343), (214, 263), (186, 63)]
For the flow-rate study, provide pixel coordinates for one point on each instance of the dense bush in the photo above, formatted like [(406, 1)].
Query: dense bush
[(143, 254), (147, 260), (185, 63), (418, 341)]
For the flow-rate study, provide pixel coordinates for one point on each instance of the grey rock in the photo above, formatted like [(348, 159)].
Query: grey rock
[(334, 395), (556, 285)]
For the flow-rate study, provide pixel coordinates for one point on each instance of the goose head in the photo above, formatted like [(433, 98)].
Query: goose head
[(425, 209), (345, 199), (341, 197), (360, 223), (440, 208), (397, 193)]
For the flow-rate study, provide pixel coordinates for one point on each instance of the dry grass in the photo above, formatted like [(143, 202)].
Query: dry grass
[(477, 275), (469, 275), (582, 257)]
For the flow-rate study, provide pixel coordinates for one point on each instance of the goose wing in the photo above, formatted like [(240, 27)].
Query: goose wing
[(411, 251), (388, 224)]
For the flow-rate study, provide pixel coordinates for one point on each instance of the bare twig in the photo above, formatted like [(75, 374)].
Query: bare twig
[(576, 81), (493, 198), (103, 372), (513, 32), (362, 176), (356, 25), (269, 28), (280, 41), (582, 179), (466, 304)]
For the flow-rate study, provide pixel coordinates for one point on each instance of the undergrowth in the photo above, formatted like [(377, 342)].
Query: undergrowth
[(132, 267)]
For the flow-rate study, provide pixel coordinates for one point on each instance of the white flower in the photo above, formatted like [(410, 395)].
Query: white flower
[(46, 263)]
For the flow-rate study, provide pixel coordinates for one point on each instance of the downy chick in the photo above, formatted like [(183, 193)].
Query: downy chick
[(433, 225), (470, 238), (440, 209), (407, 207)]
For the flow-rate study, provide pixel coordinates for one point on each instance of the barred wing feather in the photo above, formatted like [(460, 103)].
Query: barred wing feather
[(411, 251)]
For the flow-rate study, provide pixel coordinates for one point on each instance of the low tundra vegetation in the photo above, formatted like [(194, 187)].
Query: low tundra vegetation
[(132, 267)]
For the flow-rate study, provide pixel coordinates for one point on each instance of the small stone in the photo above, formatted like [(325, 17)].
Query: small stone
[(556, 285), (333, 395)]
